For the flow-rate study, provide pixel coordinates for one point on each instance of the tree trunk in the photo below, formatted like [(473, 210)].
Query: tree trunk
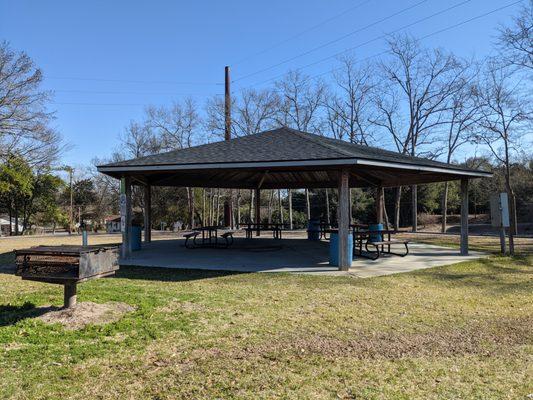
[(385, 213), (16, 220), (270, 200), (328, 218), (10, 212), (217, 215), (251, 213), (211, 199), (307, 204), (510, 199), (280, 207), (190, 193), (397, 202), (414, 209), (351, 205), (238, 208), (444, 207), (289, 195), (204, 220)]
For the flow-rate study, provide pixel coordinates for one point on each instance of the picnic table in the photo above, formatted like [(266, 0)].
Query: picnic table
[(209, 237), (378, 240), (325, 229), (275, 228)]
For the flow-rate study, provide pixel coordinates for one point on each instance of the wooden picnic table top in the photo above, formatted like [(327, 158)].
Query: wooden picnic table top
[(266, 224), (208, 228)]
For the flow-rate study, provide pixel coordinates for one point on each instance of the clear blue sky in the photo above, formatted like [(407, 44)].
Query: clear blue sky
[(124, 55)]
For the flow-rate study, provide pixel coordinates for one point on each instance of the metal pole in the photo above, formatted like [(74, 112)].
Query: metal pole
[(464, 217), (71, 202), (69, 295)]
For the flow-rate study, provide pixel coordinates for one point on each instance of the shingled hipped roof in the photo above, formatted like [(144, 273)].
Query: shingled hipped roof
[(292, 159)]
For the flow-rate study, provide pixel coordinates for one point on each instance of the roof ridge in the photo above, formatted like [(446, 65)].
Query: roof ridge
[(311, 137)]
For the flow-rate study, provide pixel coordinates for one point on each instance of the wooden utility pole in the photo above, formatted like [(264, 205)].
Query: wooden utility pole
[(227, 105), (228, 205), (71, 218)]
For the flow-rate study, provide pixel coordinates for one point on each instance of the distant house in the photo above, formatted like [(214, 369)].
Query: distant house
[(4, 226), (112, 223)]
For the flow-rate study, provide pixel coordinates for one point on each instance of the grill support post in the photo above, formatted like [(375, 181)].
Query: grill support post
[(70, 295)]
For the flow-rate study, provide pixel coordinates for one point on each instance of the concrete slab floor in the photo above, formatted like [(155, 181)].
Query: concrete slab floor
[(294, 255)]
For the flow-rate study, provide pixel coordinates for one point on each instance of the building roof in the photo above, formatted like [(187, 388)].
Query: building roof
[(282, 148)]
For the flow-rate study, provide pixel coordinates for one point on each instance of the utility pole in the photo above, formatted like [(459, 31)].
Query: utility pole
[(227, 136), (69, 169), (227, 104)]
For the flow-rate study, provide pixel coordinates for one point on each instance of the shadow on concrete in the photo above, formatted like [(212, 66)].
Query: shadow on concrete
[(169, 274)]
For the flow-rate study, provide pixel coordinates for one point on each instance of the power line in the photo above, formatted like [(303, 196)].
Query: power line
[(312, 28), (133, 93), (131, 81), (333, 41), (372, 40), (448, 28), (97, 104)]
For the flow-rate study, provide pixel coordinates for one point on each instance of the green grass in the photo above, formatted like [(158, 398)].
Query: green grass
[(458, 331), (461, 331)]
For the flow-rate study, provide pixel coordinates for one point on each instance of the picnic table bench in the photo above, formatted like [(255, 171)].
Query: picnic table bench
[(210, 238), (275, 228), (377, 240)]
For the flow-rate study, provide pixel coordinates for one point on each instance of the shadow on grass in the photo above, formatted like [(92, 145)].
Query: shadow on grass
[(10, 315), (490, 275), (170, 274)]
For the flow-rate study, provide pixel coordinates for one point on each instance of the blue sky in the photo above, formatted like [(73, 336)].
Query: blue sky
[(106, 60)]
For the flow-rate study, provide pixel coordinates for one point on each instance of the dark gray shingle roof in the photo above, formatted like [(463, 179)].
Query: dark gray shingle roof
[(283, 144)]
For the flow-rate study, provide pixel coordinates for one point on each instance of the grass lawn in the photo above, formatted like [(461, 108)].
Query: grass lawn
[(461, 331)]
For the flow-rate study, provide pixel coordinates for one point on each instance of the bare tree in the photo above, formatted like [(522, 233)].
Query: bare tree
[(177, 126), (506, 116), (24, 121), (516, 42), (463, 116), (418, 83), (300, 102), (349, 107), (252, 112), (138, 140)]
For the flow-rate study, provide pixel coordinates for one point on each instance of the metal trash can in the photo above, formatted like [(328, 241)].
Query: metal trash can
[(375, 237), (313, 229), (334, 249), (136, 232)]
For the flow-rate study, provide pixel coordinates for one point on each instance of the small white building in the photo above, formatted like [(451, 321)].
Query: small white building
[(112, 224), (4, 226)]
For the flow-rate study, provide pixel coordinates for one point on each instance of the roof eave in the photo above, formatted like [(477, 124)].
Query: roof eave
[(291, 163)]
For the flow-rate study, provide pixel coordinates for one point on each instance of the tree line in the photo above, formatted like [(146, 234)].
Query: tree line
[(418, 101)]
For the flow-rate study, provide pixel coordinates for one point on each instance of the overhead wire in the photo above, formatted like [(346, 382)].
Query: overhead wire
[(312, 50), (450, 27), (312, 28)]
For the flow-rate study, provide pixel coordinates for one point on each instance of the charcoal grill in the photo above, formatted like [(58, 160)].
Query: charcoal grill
[(66, 265)]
